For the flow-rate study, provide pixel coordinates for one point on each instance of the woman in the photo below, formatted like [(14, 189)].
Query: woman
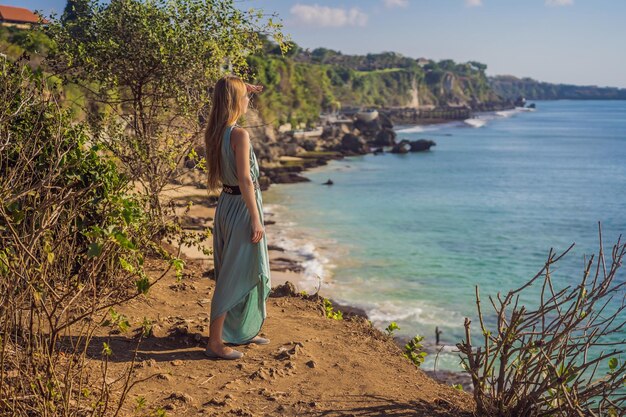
[(242, 273)]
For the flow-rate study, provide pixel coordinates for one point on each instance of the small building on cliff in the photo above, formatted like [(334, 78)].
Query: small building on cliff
[(18, 17)]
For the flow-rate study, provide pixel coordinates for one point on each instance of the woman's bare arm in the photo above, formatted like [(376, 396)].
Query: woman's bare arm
[(241, 141)]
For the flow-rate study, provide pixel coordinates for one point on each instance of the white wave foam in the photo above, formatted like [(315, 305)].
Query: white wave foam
[(269, 208), (412, 129), (506, 113), (426, 128), (315, 265), (475, 122), (385, 312)]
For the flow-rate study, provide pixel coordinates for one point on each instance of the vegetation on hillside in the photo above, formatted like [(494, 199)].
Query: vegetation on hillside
[(512, 87), (72, 242), (302, 83)]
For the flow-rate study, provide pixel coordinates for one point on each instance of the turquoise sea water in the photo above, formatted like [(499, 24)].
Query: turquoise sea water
[(407, 237)]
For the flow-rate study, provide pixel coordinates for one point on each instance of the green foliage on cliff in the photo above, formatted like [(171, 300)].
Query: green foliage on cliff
[(14, 42), (149, 66), (513, 87), (301, 84), (294, 92), (18, 43)]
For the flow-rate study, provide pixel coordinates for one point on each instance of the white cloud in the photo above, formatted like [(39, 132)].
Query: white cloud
[(316, 15), (559, 2), (396, 3), (473, 3)]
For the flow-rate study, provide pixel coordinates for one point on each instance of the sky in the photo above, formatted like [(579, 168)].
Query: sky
[(560, 41)]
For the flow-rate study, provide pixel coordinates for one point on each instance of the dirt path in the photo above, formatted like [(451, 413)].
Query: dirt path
[(314, 366)]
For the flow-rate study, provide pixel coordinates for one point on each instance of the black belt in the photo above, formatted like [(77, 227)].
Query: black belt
[(234, 189)]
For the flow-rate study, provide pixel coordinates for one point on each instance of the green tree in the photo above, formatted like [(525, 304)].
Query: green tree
[(149, 65), (447, 65), (478, 66), (74, 9)]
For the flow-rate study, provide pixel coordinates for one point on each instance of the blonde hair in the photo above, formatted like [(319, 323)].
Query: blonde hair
[(226, 110)]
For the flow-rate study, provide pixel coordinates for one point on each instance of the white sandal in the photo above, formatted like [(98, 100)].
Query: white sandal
[(259, 340), (235, 354)]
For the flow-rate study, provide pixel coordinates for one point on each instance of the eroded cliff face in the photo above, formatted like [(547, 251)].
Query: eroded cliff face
[(415, 97), (296, 92), (452, 90)]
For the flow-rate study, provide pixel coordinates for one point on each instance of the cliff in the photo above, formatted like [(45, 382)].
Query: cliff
[(302, 84)]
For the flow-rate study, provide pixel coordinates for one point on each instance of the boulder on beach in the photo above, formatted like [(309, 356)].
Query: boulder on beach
[(293, 149), (368, 129), (402, 147), (385, 121), (354, 144), (289, 178), (421, 145), (309, 144), (284, 174), (385, 137)]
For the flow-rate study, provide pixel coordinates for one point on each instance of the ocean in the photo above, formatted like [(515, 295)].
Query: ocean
[(408, 237)]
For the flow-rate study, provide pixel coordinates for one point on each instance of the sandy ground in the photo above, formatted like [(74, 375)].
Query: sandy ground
[(314, 365)]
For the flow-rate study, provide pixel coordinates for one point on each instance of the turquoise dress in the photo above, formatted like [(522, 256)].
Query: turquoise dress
[(242, 269)]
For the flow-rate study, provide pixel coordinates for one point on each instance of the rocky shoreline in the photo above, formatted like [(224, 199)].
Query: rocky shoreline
[(284, 154), (337, 140)]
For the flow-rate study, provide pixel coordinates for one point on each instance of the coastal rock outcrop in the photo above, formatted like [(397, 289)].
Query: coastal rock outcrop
[(368, 129), (385, 137), (284, 174), (353, 144), (385, 121), (402, 147), (420, 145)]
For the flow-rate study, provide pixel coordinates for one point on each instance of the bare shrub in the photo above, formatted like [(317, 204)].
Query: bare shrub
[(561, 358), (71, 247)]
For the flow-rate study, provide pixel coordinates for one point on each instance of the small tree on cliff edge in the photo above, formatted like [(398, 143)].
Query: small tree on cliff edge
[(74, 9), (147, 67)]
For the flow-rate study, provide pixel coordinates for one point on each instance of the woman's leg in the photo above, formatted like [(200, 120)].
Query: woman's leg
[(215, 337)]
